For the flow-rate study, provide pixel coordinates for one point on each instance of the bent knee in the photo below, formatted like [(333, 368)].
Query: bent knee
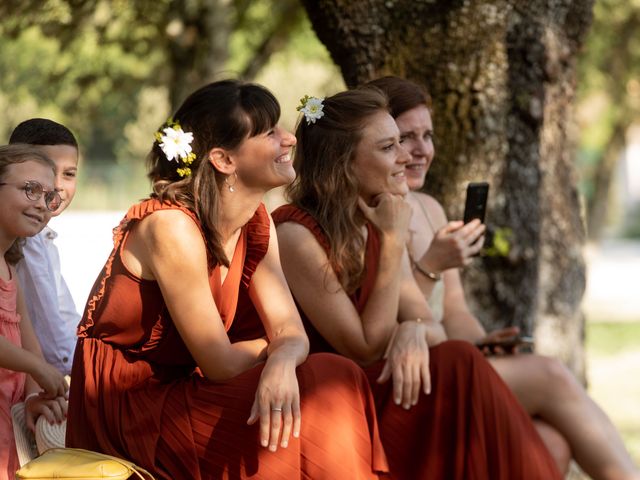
[(556, 444), (556, 374)]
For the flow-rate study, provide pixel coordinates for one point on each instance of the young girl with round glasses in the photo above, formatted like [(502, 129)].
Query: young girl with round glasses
[(34, 191), (27, 197)]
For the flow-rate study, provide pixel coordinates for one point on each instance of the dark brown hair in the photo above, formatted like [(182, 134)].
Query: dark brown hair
[(326, 186), (42, 131), (221, 114), (403, 94), (11, 155)]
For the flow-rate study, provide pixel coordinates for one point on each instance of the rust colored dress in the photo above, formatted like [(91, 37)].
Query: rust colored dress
[(470, 426), (136, 391)]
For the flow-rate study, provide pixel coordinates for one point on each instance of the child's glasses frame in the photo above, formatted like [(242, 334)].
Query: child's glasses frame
[(34, 191)]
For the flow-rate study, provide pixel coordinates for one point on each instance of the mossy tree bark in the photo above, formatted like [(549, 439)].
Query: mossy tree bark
[(502, 76)]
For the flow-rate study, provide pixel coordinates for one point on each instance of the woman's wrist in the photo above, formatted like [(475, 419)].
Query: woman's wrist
[(391, 240), (423, 267), (31, 396)]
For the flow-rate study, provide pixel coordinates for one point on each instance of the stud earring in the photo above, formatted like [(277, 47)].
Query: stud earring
[(231, 185)]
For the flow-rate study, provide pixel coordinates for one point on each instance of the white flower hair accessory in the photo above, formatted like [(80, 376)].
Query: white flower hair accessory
[(312, 108), (175, 143)]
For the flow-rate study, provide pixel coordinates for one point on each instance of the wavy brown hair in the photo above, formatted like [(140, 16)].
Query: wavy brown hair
[(403, 94), (11, 155), (326, 186), (222, 114)]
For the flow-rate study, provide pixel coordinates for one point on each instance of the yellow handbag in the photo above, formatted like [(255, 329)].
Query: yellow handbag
[(78, 464)]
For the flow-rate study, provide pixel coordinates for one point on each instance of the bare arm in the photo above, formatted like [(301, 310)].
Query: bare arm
[(444, 251), (288, 348), (326, 304), (361, 337), (179, 264), (458, 321)]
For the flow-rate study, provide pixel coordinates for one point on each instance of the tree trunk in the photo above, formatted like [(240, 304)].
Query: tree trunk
[(502, 76), (198, 36)]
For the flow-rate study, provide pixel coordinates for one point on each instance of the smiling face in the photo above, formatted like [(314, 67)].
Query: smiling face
[(19, 216), (66, 159), (380, 159), (416, 130), (264, 161)]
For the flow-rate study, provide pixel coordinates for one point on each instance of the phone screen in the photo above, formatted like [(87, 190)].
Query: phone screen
[(476, 203)]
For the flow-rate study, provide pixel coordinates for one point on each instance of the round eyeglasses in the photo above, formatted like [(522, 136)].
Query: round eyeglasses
[(34, 191)]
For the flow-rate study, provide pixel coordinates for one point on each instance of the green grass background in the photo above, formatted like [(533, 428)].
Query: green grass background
[(613, 372)]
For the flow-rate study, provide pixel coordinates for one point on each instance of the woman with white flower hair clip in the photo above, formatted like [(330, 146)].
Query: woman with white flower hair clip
[(443, 411), (155, 377)]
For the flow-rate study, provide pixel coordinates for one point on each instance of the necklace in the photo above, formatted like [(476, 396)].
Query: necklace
[(416, 266)]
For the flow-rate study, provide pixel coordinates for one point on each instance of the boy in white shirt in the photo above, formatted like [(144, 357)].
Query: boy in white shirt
[(49, 302)]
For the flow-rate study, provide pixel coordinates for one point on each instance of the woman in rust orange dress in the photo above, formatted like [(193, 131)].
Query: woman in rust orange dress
[(155, 378), (445, 413)]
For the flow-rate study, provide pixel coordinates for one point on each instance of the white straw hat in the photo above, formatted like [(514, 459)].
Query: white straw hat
[(49, 436), (46, 435), (25, 441)]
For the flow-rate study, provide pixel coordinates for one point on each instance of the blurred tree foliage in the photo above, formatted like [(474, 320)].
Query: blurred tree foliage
[(609, 100), (112, 70)]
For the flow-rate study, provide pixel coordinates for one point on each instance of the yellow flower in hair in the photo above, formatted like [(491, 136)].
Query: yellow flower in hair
[(184, 172)]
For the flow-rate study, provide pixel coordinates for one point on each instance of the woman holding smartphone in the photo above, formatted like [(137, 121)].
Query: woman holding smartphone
[(438, 248), (442, 410)]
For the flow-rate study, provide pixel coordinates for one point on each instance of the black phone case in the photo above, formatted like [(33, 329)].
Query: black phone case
[(476, 203)]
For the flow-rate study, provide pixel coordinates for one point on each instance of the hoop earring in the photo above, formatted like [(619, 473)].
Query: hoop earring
[(231, 185)]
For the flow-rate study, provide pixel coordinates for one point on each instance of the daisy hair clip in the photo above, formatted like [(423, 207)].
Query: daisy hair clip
[(175, 143), (311, 107)]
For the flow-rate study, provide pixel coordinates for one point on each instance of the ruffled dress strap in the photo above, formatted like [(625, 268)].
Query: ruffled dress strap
[(293, 213), (257, 242), (135, 213)]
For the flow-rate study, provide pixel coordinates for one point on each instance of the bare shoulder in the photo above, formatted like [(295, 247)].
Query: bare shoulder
[(431, 205), (298, 240), (292, 231), (170, 230)]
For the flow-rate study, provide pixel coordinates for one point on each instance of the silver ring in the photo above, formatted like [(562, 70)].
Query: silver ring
[(276, 409)]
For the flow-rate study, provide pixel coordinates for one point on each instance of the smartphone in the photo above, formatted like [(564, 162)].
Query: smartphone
[(476, 203), (520, 343)]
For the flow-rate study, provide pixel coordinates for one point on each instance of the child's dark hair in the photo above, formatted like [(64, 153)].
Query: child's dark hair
[(42, 131)]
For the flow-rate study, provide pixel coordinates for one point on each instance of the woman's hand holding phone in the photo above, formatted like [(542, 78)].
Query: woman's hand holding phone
[(453, 246), (506, 341)]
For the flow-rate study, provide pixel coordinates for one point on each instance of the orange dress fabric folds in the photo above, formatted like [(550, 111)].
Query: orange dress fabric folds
[(136, 391), (469, 427)]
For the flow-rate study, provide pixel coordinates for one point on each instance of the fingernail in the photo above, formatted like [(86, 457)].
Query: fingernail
[(272, 448), (264, 443), (284, 444), (397, 400), (406, 406), (296, 434)]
